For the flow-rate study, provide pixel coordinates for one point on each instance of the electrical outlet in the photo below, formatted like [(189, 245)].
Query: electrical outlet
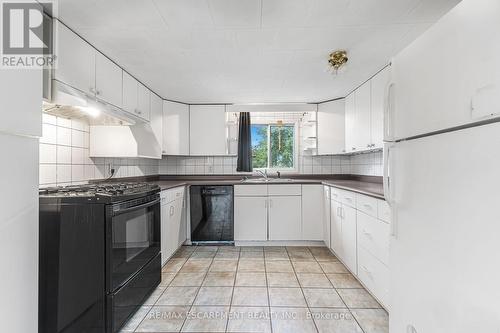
[(110, 168)]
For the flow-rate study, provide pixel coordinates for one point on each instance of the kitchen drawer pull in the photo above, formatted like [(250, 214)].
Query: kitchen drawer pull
[(368, 206), (367, 233), (348, 199)]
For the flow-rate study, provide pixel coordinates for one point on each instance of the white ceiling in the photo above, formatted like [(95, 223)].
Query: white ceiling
[(250, 51)]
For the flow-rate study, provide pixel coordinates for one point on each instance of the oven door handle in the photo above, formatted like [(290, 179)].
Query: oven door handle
[(145, 205)]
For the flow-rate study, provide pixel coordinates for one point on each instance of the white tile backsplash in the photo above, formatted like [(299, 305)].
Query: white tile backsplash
[(48, 153), (63, 136), (362, 164), (64, 156), (64, 159)]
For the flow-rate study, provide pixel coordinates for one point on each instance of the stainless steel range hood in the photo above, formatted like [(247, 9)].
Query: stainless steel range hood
[(113, 131)]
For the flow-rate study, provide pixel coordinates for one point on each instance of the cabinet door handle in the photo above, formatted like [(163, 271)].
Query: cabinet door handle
[(366, 270), (172, 210), (92, 90), (97, 92)]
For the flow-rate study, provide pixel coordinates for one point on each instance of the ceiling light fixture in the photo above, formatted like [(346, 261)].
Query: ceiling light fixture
[(337, 59)]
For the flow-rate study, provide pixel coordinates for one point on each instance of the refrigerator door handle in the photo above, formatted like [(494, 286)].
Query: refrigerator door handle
[(388, 121)]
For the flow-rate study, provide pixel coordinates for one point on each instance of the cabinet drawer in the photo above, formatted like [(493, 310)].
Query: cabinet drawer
[(374, 275), (384, 211), (367, 205), (373, 235), (284, 190), (347, 198), (250, 190), (334, 194), (172, 194)]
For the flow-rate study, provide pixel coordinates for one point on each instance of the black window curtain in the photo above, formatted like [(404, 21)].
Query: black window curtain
[(244, 144)]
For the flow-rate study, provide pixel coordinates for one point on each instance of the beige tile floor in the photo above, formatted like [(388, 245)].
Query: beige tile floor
[(258, 289)]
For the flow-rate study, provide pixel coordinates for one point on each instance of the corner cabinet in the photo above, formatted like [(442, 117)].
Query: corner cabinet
[(175, 128), (173, 222), (207, 130), (364, 114), (331, 127), (156, 117)]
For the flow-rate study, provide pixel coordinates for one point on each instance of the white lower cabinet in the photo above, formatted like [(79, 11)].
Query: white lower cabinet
[(285, 218), (250, 218), (173, 222), (360, 238), (344, 234), (281, 212), (349, 238), (313, 223), (373, 235), (326, 216), (336, 227), (374, 275)]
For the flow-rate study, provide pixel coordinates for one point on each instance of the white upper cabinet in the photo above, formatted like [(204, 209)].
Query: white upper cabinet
[(156, 118), (108, 80), (378, 85), (75, 60), (175, 128), (143, 101), (129, 93), (207, 130), (136, 97), (362, 122), (331, 127), (364, 114), (350, 123)]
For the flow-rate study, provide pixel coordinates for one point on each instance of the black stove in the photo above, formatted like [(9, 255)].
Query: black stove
[(102, 192), (99, 254)]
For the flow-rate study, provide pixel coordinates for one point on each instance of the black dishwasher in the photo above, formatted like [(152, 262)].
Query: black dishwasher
[(212, 214)]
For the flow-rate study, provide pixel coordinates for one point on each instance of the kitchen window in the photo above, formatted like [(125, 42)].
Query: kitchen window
[(273, 146)]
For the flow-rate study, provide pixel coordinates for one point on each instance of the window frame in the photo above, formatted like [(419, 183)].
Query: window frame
[(295, 126)]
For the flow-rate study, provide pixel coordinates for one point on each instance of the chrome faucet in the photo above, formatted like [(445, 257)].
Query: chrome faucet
[(263, 173)]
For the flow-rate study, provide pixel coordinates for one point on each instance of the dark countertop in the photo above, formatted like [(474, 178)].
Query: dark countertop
[(373, 187)]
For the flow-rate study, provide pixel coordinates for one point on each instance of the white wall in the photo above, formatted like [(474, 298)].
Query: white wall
[(20, 106)]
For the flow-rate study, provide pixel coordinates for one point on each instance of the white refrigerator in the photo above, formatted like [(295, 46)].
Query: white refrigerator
[(442, 175)]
